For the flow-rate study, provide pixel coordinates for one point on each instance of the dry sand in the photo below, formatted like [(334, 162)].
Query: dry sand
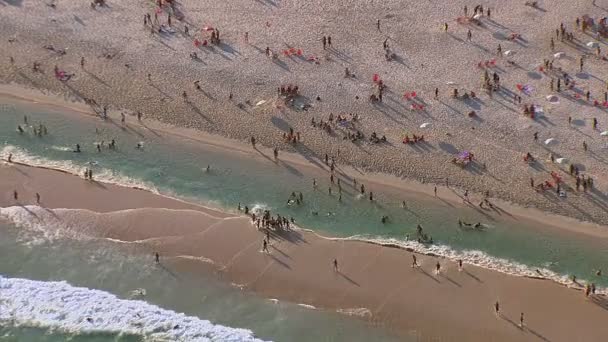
[(427, 58), (373, 282)]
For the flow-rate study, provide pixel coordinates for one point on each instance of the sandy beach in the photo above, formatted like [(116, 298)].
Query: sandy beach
[(373, 282), (120, 52), (390, 71)]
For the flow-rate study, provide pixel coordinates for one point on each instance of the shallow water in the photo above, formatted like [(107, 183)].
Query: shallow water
[(105, 266), (176, 166)]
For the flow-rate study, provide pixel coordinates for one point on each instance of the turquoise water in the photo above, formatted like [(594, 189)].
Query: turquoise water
[(175, 166), (105, 266)]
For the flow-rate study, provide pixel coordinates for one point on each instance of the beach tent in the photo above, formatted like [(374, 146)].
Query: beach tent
[(425, 125), (561, 160), (550, 141), (559, 55), (604, 134), (592, 44)]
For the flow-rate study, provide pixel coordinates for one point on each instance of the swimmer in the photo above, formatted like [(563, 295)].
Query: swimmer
[(140, 145), (208, 168), (403, 205), (384, 219), (315, 213)]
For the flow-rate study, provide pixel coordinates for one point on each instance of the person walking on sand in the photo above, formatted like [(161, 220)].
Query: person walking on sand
[(265, 247), (324, 40), (253, 142), (521, 320), (437, 267), (38, 198), (157, 257), (276, 154), (445, 27), (469, 35), (336, 265), (15, 195), (414, 261), (497, 308), (459, 265), (329, 41), (82, 62), (435, 190)]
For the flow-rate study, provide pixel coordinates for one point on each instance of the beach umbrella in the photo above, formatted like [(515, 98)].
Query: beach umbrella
[(604, 134), (477, 16), (552, 98), (561, 160), (559, 55), (509, 53), (550, 141), (425, 125), (592, 44), (207, 28), (261, 102)]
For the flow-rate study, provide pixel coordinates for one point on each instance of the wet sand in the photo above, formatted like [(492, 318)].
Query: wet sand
[(452, 306)]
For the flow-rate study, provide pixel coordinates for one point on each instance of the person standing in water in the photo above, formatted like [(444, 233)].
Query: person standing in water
[(265, 246), (459, 265), (157, 257), (437, 267)]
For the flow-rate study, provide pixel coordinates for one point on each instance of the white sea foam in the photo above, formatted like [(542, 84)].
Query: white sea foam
[(58, 305), (101, 174), (360, 312), (308, 306)]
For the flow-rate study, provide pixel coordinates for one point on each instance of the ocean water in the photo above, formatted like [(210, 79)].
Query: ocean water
[(50, 289), (176, 166)]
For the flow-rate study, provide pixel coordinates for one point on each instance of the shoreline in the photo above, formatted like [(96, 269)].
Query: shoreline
[(226, 241), (388, 182)]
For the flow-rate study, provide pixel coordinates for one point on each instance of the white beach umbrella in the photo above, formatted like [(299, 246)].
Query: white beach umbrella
[(559, 55), (604, 134), (509, 53), (477, 16), (592, 44), (552, 98), (261, 102), (425, 125), (550, 141), (561, 160)]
